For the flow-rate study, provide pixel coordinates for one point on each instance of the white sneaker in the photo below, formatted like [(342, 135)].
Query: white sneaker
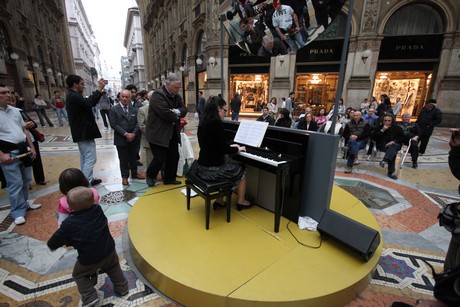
[(19, 220), (34, 206), (105, 129)]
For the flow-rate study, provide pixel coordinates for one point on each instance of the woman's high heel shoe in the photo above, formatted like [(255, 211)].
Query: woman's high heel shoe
[(217, 205), (240, 207)]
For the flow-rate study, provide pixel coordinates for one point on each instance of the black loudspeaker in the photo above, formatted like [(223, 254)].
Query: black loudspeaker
[(357, 237)]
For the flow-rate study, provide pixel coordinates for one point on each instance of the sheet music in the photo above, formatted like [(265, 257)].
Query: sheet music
[(251, 133)]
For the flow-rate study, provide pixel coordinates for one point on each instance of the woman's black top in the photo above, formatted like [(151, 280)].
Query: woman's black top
[(213, 144)]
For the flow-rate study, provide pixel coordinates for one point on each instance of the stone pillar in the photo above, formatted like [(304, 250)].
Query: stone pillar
[(447, 88), (281, 78)]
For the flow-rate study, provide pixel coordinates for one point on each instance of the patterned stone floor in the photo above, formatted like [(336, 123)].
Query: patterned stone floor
[(405, 209)]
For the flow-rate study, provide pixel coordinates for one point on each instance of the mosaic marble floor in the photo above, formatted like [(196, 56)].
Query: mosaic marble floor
[(405, 209)]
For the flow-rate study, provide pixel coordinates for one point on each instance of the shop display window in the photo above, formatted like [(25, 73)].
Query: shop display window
[(253, 90), (411, 87), (316, 91)]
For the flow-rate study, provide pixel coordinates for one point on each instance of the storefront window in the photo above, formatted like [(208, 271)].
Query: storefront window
[(411, 87), (253, 90), (316, 91)]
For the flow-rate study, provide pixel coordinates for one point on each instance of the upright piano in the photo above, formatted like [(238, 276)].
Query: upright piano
[(275, 170)]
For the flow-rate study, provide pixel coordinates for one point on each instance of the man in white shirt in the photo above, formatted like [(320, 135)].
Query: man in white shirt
[(14, 139), (287, 26)]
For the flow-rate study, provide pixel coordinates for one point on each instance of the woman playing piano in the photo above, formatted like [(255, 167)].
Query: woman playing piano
[(213, 164)]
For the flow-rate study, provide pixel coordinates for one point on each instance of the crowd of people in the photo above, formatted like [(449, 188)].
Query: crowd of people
[(156, 117), (275, 28)]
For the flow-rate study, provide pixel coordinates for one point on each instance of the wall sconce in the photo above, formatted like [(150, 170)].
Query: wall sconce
[(151, 81), (199, 61), (14, 56), (162, 77), (212, 61), (366, 54), (182, 68), (59, 74), (156, 79), (49, 71), (148, 83), (35, 65), (281, 59)]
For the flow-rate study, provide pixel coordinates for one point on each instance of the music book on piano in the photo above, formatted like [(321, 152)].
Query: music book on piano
[(251, 133)]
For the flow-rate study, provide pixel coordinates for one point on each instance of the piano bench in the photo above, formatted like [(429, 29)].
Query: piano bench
[(208, 191)]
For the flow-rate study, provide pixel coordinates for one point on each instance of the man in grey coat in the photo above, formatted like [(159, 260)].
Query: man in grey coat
[(163, 130)]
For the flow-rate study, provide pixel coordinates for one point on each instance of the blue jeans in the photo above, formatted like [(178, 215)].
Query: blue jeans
[(235, 116), (60, 113), (292, 41), (353, 148), (18, 178), (87, 157)]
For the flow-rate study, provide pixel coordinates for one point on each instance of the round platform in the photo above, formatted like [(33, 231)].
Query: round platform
[(243, 262)]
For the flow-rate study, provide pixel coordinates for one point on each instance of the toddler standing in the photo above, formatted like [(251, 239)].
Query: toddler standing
[(87, 230)]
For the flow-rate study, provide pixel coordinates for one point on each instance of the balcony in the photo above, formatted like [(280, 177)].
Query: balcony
[(199, 13)]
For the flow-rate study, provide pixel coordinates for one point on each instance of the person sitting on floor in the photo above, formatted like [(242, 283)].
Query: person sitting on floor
[(389, 138)]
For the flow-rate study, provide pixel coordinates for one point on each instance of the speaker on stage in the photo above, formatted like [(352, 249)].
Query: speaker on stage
[(357, 237)]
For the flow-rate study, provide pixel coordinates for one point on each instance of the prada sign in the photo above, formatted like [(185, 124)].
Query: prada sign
[(411, 47), (239, 56), (321, 51)]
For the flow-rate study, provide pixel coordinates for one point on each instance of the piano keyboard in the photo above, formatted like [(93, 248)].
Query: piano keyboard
[(261, 159)]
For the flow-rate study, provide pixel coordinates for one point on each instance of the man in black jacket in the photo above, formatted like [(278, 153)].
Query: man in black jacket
[(87, 231), (427, 120), (389, 138), (123, 120), (412, 134), (82, 124)]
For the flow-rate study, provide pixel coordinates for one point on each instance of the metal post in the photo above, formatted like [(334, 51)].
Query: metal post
[(221, 20), (338, 91)]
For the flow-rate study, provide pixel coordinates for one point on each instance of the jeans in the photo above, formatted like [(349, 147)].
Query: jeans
[(87, 157), (18, 178), (41, 113), (235, 116), (291, 41), (96, 112), (60, 113), (353, 148)]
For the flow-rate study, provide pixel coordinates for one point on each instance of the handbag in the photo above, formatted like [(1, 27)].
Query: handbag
[(37, 135), (449, 218)]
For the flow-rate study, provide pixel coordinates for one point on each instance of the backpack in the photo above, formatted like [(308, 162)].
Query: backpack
[(447, 285), (449, 218)]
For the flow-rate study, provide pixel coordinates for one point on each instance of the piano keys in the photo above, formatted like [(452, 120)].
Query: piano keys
[(275, 170)]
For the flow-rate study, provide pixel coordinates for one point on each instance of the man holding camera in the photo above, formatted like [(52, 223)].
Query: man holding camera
[(82, 124)]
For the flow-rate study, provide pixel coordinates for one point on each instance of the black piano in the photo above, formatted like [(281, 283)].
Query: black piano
[(275, 169)]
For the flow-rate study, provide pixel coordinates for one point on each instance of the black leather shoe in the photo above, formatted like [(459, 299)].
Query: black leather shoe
[(172, 182), (240, 207), (414, 165), (217, 205), (150, 182), (393, 176), (95, 182), (382, 164)]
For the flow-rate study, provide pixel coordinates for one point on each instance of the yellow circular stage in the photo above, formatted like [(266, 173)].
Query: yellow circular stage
[(243, 263)]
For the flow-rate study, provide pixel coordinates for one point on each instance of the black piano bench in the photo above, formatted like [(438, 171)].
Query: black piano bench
[(208, 190)]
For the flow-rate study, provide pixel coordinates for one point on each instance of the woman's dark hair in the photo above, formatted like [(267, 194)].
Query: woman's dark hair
[(284, 112), (71, 178), (211, 109)]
